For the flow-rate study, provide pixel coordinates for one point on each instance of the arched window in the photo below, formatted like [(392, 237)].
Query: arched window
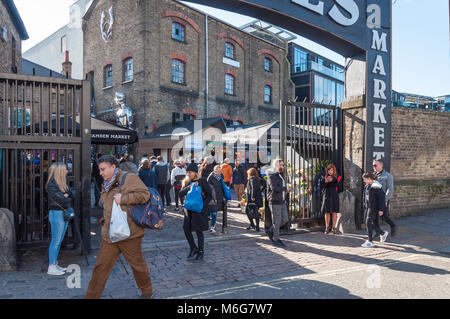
[(229, 50), (229, 84), (128, 70), (177, 31), (267, 94), (177, 71), (107, 76)]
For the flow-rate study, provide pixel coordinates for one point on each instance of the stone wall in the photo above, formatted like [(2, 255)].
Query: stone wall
[(420, 160)]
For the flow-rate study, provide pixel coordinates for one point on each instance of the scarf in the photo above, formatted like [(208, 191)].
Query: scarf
[(107, 184), (218, 177)]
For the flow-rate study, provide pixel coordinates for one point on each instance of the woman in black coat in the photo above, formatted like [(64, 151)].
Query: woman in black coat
[(194, 221), (330, 185), (254, 198), (215, 180)]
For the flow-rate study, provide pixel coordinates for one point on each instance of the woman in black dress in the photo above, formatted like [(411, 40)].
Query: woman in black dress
[(193, 221), (330, 185)]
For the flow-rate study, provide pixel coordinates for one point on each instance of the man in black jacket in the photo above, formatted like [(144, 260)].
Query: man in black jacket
[(162, 172), (276, 196)]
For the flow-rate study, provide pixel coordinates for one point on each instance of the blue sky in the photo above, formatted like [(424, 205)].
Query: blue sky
[(421, 52)]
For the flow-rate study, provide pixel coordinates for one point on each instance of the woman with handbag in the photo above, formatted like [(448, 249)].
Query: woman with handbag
[(59, 202), (195, 220), (330, 185), (254, 197), (215, 180)]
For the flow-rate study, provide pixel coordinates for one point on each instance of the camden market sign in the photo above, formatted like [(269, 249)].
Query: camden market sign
[(357, 29)]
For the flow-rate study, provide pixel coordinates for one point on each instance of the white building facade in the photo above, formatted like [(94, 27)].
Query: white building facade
[(50, 52)]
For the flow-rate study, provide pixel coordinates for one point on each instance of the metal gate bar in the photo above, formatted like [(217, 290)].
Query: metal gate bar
[(43, 120), (312, 140)]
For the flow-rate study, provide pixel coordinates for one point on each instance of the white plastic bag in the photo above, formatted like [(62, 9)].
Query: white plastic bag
[(118, 228)]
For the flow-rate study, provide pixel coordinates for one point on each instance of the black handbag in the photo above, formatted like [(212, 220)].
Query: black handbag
[(68, 214)]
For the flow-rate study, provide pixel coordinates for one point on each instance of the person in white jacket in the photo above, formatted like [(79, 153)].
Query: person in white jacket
[(176, 178)]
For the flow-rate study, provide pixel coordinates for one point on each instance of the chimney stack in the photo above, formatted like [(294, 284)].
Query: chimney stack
[(67, 67)]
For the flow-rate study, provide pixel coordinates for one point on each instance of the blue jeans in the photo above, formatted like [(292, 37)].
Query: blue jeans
[(58, 229), (213, 216)]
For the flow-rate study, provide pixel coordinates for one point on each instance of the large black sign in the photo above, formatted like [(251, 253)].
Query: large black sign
[(351, 28)]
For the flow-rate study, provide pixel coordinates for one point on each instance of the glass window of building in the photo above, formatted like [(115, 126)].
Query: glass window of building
[(177, 31), (177, 71), (229, 50), (229, 84), (128, 70), (325, 91), (300, 60), (267, 94), (107, 76), (268, 64)]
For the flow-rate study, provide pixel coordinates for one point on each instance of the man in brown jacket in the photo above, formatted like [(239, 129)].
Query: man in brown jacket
[(133, 192)]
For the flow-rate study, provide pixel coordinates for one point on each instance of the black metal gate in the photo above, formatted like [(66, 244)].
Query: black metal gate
[(38, 127), (311, 138)]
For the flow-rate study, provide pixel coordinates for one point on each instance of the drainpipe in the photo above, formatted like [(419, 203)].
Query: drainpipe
[(207, 65)]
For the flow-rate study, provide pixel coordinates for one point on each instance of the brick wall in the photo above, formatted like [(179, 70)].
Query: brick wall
[(145, 29), (420, 160), (6, 47)]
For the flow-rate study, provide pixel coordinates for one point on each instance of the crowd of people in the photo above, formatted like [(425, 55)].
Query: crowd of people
[(263, 191)]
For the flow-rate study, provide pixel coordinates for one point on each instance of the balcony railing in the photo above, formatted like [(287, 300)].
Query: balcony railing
[(311, 65)]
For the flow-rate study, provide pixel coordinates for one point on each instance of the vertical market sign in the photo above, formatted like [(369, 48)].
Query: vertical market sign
[(352, 28)]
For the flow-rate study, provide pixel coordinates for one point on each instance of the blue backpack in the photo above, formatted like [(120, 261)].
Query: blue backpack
[(150, 214), (194, 199)]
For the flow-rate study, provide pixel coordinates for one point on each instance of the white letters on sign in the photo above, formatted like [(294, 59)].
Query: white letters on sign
[(347, 18), (352, 9), (373, 16), (378, 113), (379, 42), (378, 68), (317, 8), (379, 89), (380, 82), (379, 137)]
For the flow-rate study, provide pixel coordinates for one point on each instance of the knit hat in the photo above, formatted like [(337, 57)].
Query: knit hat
[(192, 167)]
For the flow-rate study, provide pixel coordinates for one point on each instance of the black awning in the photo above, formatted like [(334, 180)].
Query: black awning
[(102, 132)]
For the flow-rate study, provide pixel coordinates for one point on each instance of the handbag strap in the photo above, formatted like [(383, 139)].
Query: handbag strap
[(123, 180), (60, 206)]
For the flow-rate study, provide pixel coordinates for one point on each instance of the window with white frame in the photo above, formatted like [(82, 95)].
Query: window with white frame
[(128, 70), (229, 84), (229, 50), (178, 71), (107, 75), (267, 94)]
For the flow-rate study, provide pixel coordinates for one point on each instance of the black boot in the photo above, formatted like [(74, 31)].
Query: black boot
[(192, 253), (199, 255)]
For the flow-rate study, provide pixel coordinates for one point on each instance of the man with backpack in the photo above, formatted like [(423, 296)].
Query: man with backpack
[(132, 192)]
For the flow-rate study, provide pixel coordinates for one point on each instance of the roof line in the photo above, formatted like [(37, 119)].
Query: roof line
[(16, 19)]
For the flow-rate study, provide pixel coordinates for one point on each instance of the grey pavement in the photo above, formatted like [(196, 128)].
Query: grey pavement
[(245, 265)]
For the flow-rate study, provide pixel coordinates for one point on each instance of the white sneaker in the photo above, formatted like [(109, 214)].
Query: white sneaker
[(54, 271), (212, 230), (60, 268), (368, 244), (384, 236)]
